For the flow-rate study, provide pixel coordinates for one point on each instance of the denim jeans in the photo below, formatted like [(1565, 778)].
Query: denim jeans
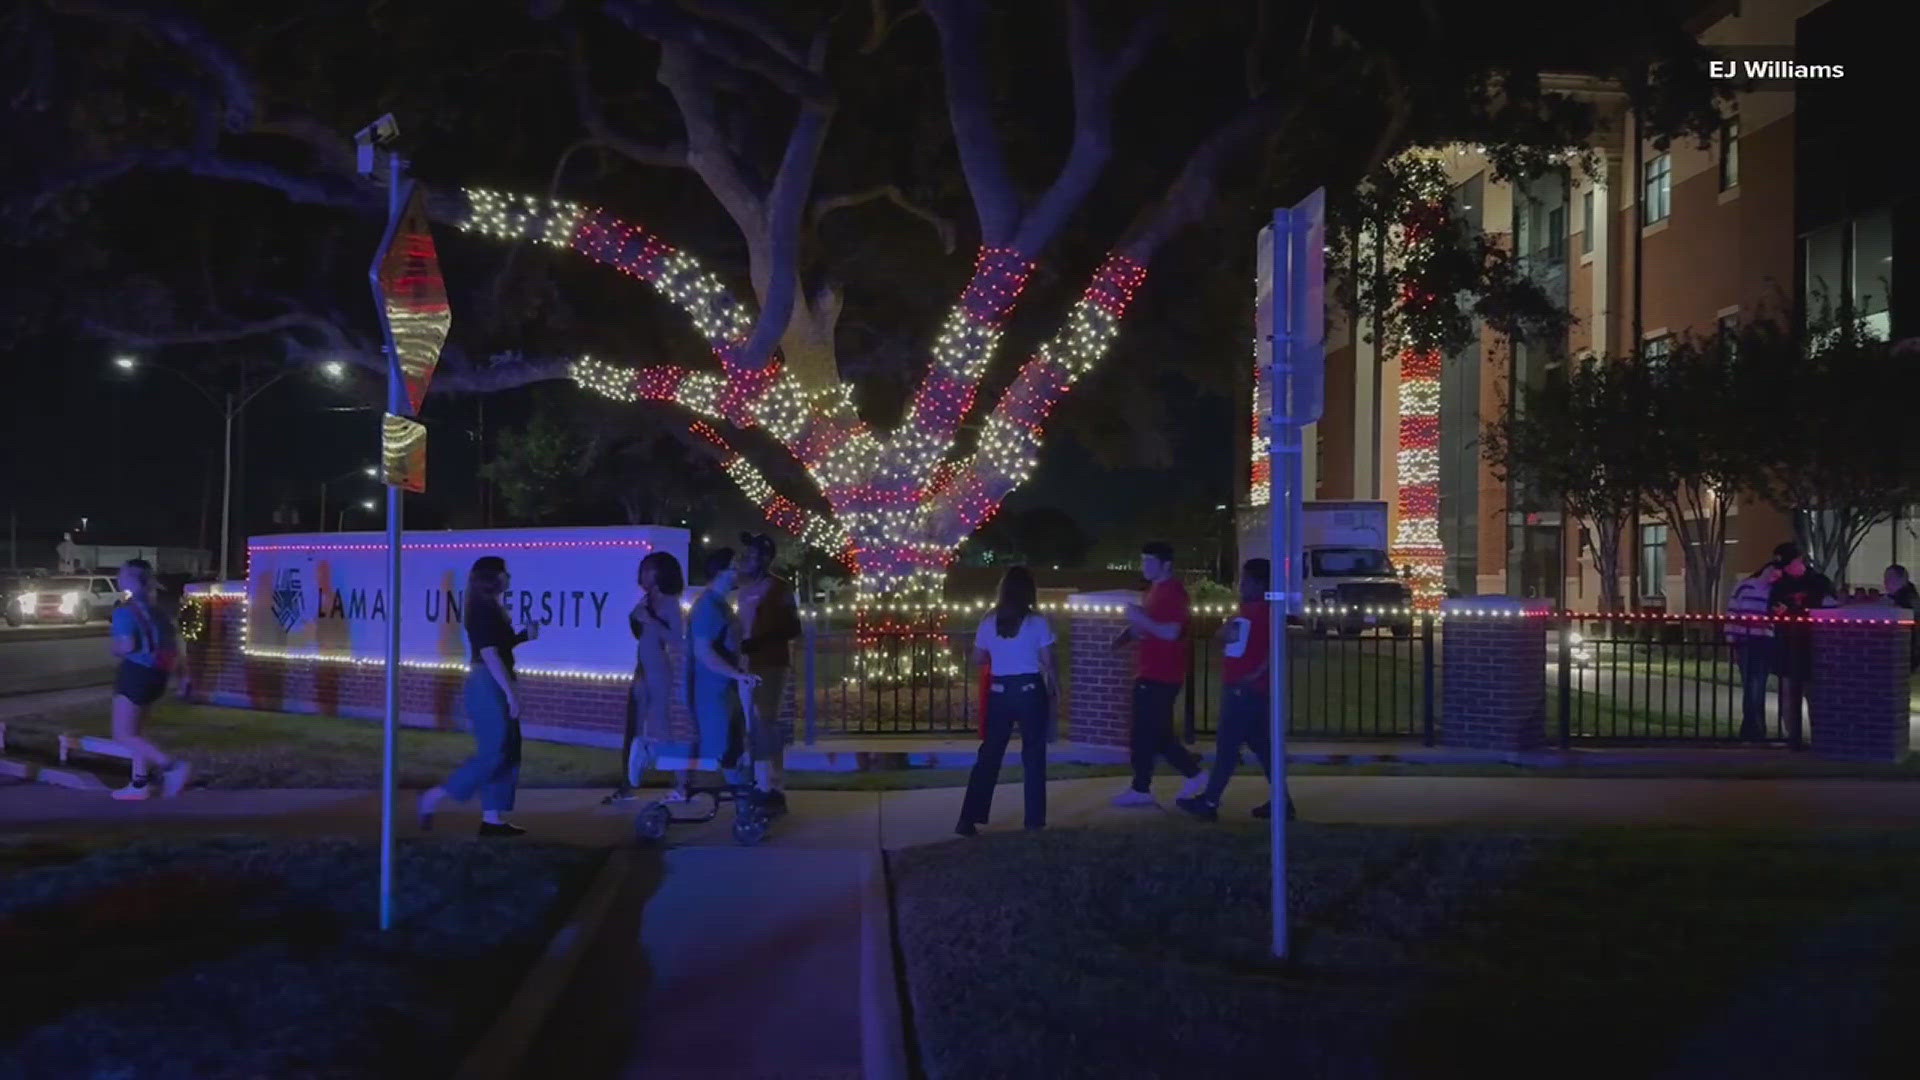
[(1021, 700), (1757, 656), (1244, 719), (494, 768), (1153, 734)]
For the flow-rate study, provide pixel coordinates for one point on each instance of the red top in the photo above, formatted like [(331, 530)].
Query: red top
[(1165, 661), (1254, 634)]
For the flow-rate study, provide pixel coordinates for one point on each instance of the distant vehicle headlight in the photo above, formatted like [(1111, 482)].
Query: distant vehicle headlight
[(69, 602), (24, 601)]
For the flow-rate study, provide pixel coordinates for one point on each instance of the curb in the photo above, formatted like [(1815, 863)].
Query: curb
[(883, 1043), (30, 771), (502, 1051)]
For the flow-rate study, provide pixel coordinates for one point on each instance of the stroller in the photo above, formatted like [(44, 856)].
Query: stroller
[(751, 813)]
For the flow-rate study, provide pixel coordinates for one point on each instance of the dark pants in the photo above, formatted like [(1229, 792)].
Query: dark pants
[(494, 768), (1153, 734), (1757, 656), (1021, 700), (1244, 719), (1793, 699)]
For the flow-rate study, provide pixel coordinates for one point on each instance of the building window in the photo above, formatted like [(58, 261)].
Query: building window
[(1729, 154), (1870, 280), (1656, 189), (1728, 327), (1656, 350), (1586, 223), (1653, 560), (1557, 234), (1319, 458)]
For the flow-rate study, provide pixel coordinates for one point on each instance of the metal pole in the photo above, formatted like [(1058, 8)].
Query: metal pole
[(226, 494), (323, 506), (397, 405), (1283, 447)]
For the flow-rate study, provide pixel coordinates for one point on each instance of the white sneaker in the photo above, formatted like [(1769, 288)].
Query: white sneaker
[(133, 793), (1131, 797), (174, 780), (1195, 786), (639, 756)]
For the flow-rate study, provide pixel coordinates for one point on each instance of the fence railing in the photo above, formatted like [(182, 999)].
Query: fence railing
[(1648, 681)]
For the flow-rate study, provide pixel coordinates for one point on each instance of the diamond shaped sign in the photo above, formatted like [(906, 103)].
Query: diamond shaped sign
[(403, 453), (412, 296)]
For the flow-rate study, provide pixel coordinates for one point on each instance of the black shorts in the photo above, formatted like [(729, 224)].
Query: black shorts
[(139, 683)]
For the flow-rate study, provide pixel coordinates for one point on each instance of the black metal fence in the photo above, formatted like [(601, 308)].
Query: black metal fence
[(1641, 681)]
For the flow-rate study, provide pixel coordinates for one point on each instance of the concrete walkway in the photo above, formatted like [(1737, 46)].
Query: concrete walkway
[(723, 962)]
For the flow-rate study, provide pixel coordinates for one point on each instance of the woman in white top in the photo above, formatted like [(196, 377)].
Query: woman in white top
[(1018, 646), (656, 625)]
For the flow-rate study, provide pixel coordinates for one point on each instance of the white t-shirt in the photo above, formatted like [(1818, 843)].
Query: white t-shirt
[(1019, 654)]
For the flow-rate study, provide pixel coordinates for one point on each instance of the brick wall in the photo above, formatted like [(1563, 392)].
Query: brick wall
[(1100, 681), (589, 712), (1493, 695), (1857, 700)]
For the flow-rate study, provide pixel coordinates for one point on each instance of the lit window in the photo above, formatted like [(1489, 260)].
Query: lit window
[(1653, 560), (1586, 224), (1656, 350), (1557, 234), (1729, 154), (1728, 327), (1656, 189)]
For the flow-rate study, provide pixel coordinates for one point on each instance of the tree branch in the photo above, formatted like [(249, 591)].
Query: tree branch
[(1096, 79), (969, 98), (593, 118), (318, 190), (883, 27), (236, 85), (784, 213), (707, 151), (893, 194), (1187, 200), (668, 24)]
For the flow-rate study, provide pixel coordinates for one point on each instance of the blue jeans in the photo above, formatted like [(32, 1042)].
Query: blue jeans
[(1757, 655), (1014, 699), (1244, 719), (1153, 734), (494, 768)]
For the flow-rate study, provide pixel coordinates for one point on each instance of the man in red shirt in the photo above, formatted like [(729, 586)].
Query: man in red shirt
[(1160, 626), (1244, 708)]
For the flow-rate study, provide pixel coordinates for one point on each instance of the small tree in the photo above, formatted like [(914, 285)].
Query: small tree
[(1835, 401), (1577, 439), (1702, 448), (537, 468)]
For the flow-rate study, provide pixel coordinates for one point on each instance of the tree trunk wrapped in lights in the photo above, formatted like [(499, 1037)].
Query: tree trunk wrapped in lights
[(1417, 549)]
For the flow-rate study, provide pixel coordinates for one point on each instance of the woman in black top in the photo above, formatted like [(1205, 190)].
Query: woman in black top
[(493, 704)]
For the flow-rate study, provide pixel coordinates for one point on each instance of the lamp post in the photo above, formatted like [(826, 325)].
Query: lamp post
[(229, 406), (369, 472)]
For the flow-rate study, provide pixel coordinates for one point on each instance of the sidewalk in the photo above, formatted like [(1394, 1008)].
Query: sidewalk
[(722, 962)]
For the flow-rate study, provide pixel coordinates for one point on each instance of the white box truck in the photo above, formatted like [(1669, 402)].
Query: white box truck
[(1344, 575)]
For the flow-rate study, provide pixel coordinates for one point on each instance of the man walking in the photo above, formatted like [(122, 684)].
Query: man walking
[(1160, 669), (771, 617), (1800, 590), (1244, 708)]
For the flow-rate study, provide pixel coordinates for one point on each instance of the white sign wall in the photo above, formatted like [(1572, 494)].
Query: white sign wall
[(324, 595)]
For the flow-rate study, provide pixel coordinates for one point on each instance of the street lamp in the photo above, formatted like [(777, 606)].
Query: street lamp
[(229, 407), (368, 471), (334, 369)]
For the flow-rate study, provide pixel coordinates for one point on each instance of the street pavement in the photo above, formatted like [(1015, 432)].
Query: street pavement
[(31, 664), (722, 962)]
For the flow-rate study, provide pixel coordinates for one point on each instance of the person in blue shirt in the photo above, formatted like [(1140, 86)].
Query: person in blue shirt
[(715, 676), (148, 647)]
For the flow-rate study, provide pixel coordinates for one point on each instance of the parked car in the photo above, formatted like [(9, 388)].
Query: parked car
[(77, 600)]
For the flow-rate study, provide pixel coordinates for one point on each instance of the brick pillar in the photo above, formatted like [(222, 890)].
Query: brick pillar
[(1100, 679), (1493, 655), (1857, 700)]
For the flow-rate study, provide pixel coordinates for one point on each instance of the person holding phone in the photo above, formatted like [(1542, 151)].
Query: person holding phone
[(493, 704)]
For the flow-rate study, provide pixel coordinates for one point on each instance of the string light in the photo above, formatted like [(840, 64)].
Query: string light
[(1425, 212)]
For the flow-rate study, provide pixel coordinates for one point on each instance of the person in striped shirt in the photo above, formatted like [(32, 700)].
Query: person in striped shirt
[(1755, 647)]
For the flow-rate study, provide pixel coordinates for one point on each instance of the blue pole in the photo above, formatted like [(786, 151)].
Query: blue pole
[(397, 404)]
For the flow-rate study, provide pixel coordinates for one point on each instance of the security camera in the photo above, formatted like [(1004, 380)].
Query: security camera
[(380, 134)]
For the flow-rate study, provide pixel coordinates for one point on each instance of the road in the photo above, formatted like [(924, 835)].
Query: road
[(32, 660)]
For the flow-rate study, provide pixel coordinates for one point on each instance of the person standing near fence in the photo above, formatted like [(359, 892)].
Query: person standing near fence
[(145, 641), (1245, 707), (1160, 670), (655, 623), (1901, 593), (1018, 644), (1755, 647), (493, 703), (1799, 591), (770, 616), (715, 675)]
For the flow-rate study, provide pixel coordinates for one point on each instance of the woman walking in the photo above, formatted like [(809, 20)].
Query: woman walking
[(493, 704), (655, 622), (1019, 646), (145, 641)]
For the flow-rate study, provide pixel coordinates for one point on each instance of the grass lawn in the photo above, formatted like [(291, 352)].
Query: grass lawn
[(243, 957), (1607, 953)]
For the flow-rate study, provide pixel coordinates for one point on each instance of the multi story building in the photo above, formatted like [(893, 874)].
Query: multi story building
[(1802, 194)]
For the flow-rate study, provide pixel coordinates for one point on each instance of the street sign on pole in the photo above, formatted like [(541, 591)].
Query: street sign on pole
[(411, 297), (1290, 290)]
